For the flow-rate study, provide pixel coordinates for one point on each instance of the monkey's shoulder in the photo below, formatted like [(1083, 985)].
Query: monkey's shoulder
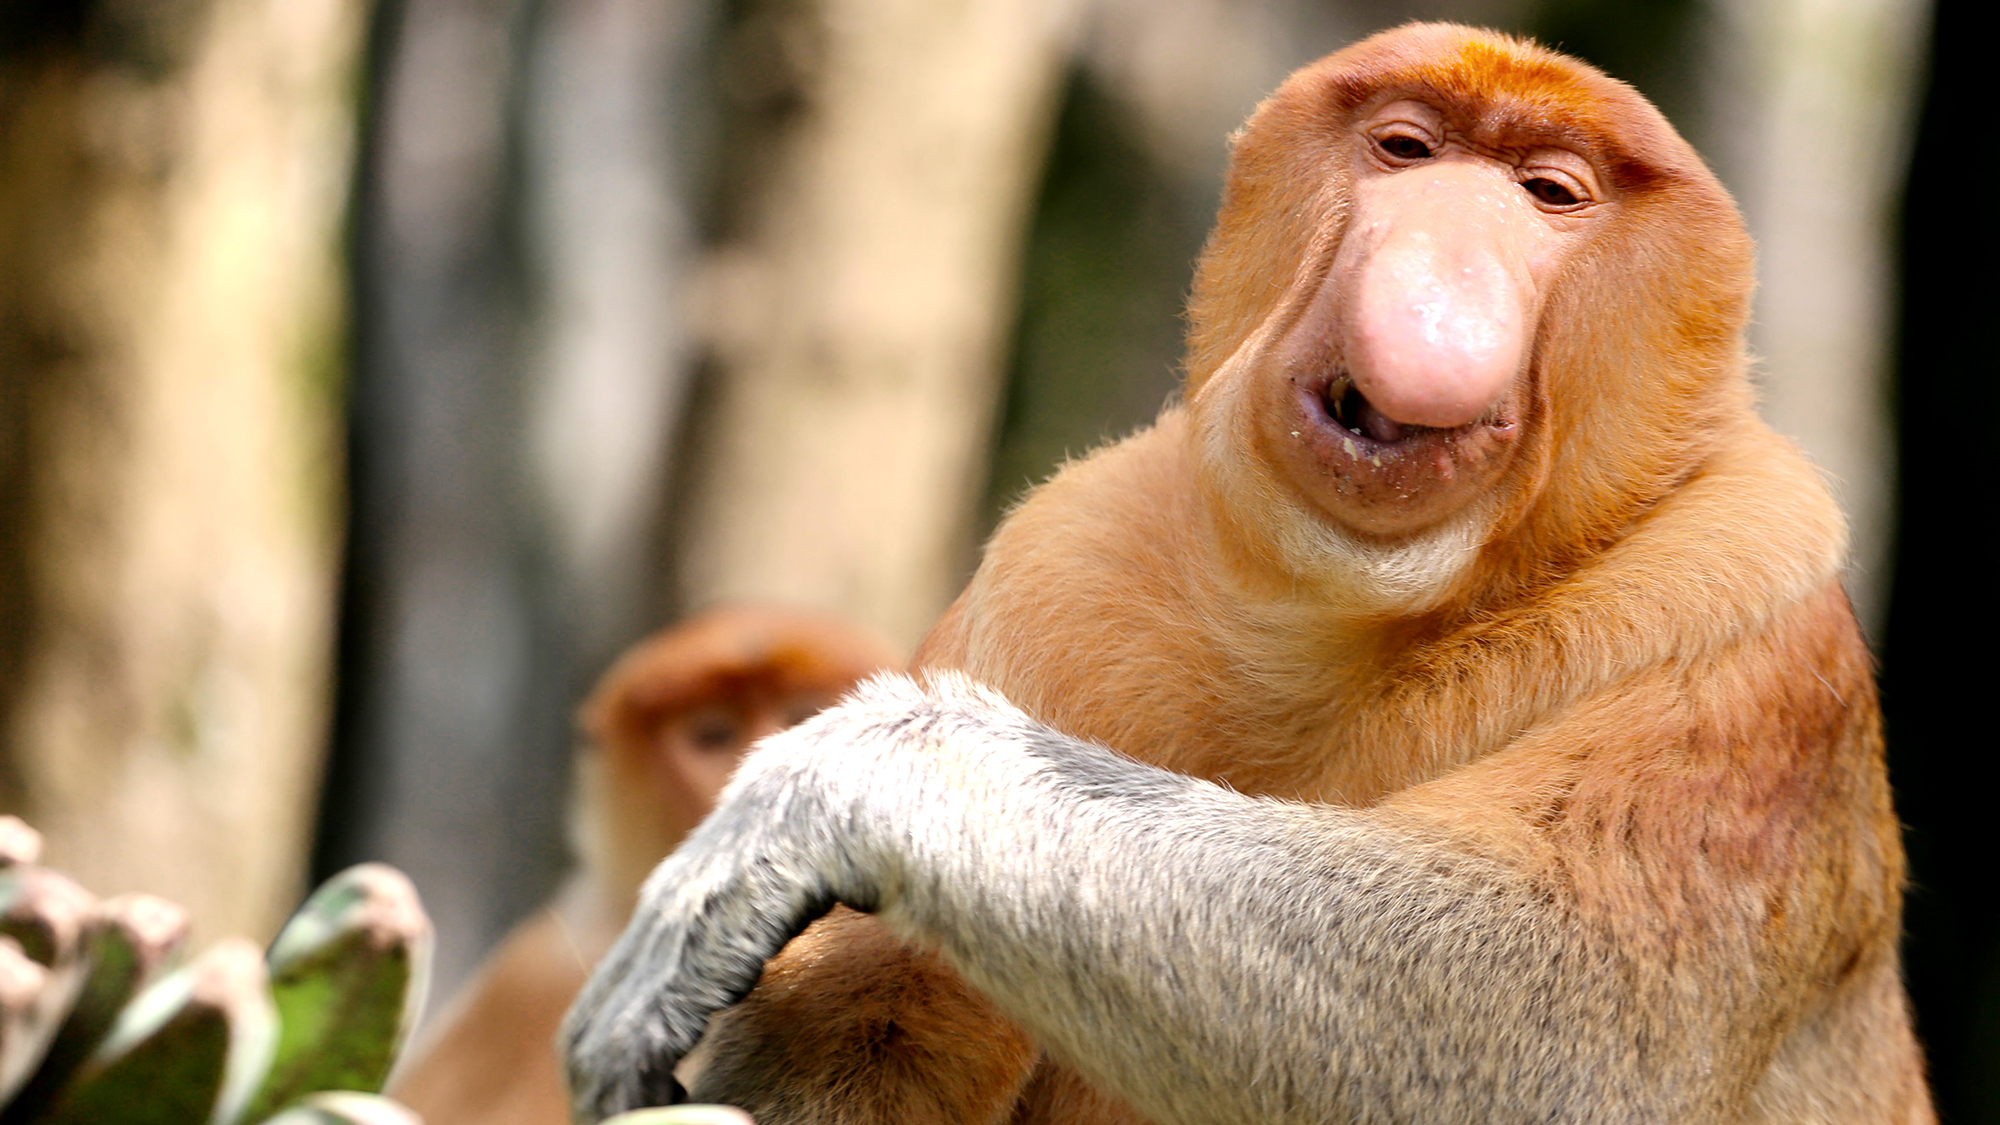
[(1107, 533), (1093, 595), (1746, 539)]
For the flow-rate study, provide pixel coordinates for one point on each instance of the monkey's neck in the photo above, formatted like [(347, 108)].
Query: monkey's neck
[(1101, 607)]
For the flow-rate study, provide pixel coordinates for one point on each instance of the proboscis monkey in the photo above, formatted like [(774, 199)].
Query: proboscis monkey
[(665, 727), (1489, 736)]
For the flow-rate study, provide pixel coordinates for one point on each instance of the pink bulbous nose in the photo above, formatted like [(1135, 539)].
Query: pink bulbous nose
[(1438, 306)]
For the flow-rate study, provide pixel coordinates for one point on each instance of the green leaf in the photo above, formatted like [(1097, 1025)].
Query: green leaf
[(132, 939), (189, 1049), (44, 911), (19, 844), (46, 920), (683, 1115), (22, 982), (348, 973)]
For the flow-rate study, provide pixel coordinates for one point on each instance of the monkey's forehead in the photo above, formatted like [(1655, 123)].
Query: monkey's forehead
[(1499, 91)]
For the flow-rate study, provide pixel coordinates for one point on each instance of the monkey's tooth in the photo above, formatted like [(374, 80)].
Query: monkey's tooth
[(1335, 397)]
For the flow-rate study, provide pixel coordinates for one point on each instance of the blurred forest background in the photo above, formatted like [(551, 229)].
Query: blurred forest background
[(371, 373)]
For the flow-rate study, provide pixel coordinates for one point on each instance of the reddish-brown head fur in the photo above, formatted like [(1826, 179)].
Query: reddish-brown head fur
[(666, 725), (725, 654)]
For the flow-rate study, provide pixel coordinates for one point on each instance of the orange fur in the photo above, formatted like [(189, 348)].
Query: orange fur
[(645, 781), (1645, 687)]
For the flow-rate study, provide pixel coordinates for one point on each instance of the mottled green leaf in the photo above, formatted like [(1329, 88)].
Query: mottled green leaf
[(189, 1049), (22, 979), (345, 1108), (19, 843), (130, 941), (683, 1115), (348, 973), (44, 911), (46, 919)]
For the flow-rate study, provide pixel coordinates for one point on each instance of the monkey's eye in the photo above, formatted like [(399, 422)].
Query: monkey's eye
[(1550, 192), (717, 734), (1402, 146), (713, 728)]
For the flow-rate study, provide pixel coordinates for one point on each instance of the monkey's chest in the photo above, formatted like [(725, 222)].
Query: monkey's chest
[(1215, 729)]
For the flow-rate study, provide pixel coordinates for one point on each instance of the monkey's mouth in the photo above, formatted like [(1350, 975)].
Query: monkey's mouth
[(1351, 411), (1379, 475), (1343, 404)]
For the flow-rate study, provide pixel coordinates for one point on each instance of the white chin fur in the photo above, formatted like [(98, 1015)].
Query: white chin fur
[(1407, 576), (1351, 573)]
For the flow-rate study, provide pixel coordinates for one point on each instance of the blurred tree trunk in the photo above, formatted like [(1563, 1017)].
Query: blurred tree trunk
[(523, 225), (1819, 152), (878, 164), (530, 310), (171, 182)]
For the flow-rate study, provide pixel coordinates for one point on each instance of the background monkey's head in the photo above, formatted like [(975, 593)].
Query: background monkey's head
[(669, 721)]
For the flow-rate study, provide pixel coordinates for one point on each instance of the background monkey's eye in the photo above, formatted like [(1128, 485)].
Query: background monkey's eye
[(1404, 147), (1550, 192)]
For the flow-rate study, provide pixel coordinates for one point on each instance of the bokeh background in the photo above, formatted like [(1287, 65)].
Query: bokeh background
[(370, 373)]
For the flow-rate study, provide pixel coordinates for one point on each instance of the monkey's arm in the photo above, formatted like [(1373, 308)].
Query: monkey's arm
[(1204, 955)]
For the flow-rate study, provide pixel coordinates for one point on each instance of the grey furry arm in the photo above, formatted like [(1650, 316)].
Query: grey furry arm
[(1205, 955)]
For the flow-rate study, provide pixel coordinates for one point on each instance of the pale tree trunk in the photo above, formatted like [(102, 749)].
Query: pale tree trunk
[(171, 182), (860, 299), (1821, 153)]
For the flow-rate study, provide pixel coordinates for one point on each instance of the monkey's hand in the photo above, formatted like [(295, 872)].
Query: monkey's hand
[(748, 880), (804, 824), (967, 827)]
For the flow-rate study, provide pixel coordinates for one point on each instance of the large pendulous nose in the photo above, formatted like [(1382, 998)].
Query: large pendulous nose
[(1436, 322)]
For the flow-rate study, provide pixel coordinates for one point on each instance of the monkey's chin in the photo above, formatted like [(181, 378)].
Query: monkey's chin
[(1377, 477)]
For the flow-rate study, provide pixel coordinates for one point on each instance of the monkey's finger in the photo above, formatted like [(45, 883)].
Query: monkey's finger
[(650, 999)]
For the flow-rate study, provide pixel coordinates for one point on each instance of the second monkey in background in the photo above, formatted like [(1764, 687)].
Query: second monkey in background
[(665, 728)]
